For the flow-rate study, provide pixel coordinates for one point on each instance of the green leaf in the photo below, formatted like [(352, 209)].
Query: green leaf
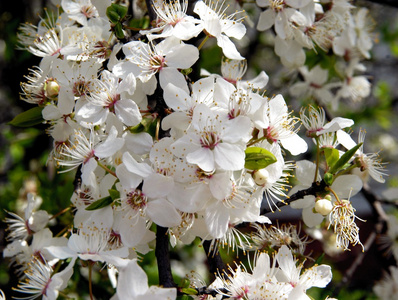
[(186, 71), (100, 203), (116, 12), (118, 29), (319, 259), (184, 283), (28, 118), (120, 9), (114, 194), (258, 158), (112, 15), (189, 291), (344, 159), (331, 156)]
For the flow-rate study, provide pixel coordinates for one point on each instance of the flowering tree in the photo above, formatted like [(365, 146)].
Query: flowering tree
[(165, 154)]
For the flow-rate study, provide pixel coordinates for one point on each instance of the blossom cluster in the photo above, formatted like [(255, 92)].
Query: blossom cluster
[(152, 147), (321, 26)]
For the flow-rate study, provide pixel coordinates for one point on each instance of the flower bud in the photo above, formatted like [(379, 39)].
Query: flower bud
[(51, 88), (323, 207), (261, 177)]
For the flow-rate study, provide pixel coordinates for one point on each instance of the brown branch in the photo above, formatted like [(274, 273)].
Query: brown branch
[(216, 264), (315, 188), (163, 257), (151, 11), (392, 3)]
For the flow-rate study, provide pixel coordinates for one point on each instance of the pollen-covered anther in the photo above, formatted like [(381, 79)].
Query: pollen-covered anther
[(209, 140), (136, 199), (157, 62)]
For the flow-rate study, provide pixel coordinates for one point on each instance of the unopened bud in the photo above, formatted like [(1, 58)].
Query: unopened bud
[(323, 207), (51, 88), (261, 177)]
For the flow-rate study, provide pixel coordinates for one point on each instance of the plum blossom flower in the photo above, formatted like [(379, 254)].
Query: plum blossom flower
[(107, 96), (387, 287), (148, 202), (314, 85), (145, 60), (42, 281), (342, 219), (278, 126), (76, 80), (80, 150), (315, 122), (133, 284), (343, 186), (278, 13), (173, 21), (212, 142), (89, 243), (318, 276), (216, 23), (79, 10), (370, 163)]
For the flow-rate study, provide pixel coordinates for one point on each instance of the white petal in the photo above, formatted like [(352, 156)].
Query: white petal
[(266, 20), (336, 124), (176, 98), (132, 281), (229, 157), (217, 219), (128, 112), (157, 185), (228, 47), (310, 218), (51, 112), (141, 169), (127, 179), (183, 56), (233, 29), (163, 213), (345, 139), (203, 157), (172, 76), (111, 145), (295, 144), (347, 185)]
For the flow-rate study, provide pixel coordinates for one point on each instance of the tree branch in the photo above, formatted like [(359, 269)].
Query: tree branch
[(151, 11), (314, 189), (163, 257), (392, 3), (216, 264)]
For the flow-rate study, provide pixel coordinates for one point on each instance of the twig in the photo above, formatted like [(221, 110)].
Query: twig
[(315, 188), (151, 11)]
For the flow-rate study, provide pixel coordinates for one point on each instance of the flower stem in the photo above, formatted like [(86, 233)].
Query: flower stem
[(61, 212), (90, 286), (256, 141), (106, 168), (333, 192), (317, 159), (203, 42)]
